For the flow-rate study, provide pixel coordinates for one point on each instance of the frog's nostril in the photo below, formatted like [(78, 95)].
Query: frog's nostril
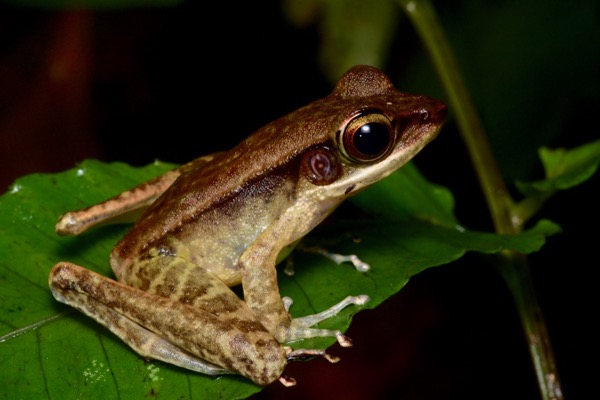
[(424, 115)]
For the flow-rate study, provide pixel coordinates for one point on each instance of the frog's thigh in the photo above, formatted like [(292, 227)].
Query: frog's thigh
[(185, 282), (177, 333), (144, 342)]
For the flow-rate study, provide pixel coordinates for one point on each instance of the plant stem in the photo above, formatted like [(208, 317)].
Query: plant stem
[(512, 266), (425, 21), (515, 271)]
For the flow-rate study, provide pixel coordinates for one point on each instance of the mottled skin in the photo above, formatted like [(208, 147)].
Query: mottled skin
[(227, 219)]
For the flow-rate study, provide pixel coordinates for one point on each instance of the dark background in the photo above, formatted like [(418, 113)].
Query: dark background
[(136, 85)]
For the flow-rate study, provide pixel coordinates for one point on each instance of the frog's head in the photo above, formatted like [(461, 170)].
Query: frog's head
[(377, 129)]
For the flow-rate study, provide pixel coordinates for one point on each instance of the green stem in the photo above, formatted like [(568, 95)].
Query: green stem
[(425, 21), (514, 269), (528, 207), (512, 266)]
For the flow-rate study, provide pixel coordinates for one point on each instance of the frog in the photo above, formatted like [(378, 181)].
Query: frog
[(227, 219)]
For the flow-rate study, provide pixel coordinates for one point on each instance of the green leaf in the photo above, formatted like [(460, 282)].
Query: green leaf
[(406, 194), (51, 351), (564, 169)]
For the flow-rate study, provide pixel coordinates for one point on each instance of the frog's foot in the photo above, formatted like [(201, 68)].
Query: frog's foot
[(360, 265), (299, 354), (300, 328)]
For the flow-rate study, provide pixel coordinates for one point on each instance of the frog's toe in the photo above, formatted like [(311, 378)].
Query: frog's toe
[(310, 320), (299, 354), (343, 340), (287, 381)]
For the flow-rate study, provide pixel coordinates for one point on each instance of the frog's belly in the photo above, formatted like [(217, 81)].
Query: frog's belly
[(210, 249), (215, 239), (216, 248)]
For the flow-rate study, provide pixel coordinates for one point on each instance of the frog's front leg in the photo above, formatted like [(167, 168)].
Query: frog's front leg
[(261, 294), (189, 318), (301, 327)]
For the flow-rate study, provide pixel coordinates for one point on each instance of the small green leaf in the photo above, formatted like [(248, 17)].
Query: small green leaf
[(564, 169), (51, 351)]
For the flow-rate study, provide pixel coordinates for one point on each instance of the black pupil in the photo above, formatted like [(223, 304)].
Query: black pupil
[(372, 139)]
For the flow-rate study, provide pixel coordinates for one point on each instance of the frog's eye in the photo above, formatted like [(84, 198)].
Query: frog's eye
[(367, 137)]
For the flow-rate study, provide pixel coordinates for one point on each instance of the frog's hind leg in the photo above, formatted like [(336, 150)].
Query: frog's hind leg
[(161, 328), (67, 283), (122, 208)]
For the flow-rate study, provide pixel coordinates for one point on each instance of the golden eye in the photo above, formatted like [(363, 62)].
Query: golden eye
[(367, 137)]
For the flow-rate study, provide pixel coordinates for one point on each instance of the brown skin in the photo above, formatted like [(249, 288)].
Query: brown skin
[(225, 219)]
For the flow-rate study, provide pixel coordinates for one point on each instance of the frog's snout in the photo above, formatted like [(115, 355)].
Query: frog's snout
[(439, 111)]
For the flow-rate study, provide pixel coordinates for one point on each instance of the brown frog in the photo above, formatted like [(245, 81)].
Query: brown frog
[(228, 218)]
